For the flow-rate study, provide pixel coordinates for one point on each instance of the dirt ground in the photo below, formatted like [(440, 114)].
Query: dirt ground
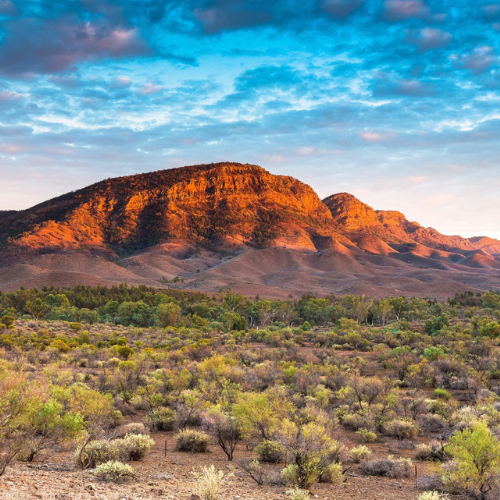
[(55, 477)]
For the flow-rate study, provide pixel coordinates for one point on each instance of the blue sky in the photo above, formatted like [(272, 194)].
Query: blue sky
[(394, 101)]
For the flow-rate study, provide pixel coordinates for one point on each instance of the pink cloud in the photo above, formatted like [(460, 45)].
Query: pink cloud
[(430, 38), (9, 96), (479, 60), (33, 46), (150, 88), (399, 10)]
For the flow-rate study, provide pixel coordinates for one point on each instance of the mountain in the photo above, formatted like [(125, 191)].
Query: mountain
[(232, 225)]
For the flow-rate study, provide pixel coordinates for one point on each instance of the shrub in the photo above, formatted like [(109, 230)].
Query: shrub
[(388, 467), (401, 429), (135, 446), (270, 451), (113, 471), (433, 423), (289, 474), (133, 428), (97, 452), (442, 394), (298, 494), (360, 453), (209, 482), (162, 419), (432, 452), (366, 435), (355, 421), (311, 448), (431, 495), (332, 474), (192, 441), (475, 465), (254, 469)]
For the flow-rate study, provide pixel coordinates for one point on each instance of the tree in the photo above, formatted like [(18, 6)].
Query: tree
[(225, 429), (476, 462), (261, 414), (167, 314), (310, 446)]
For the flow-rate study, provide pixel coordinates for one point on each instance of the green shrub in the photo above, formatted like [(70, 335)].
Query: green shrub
[(432, 452), (360, 453), (270, 451), (402, 429), (332, 474), (298, 494), (162, 419), (97, 452), (192, 441), (475, 465), (366, 435), (113, 471), (289, 474), (431, 495), (134, 446), (442, 394), (209, 482), (388, 467)]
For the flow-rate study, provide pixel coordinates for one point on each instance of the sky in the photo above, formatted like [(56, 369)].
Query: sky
[(394, 101)]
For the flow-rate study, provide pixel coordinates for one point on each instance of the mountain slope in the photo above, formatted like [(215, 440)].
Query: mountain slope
[(203, 204), (210, 227), (356, 220)]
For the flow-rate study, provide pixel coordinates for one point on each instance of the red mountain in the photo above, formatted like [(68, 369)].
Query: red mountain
[(235, 225)]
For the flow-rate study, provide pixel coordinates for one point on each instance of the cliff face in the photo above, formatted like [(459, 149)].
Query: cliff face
[(213, 206), (204, 204)]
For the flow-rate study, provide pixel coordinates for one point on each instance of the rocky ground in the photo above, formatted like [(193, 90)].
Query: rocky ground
[(55, 477)]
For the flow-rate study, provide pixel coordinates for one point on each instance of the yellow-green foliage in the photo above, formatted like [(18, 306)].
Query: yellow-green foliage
[(475, 465), (113, 471)]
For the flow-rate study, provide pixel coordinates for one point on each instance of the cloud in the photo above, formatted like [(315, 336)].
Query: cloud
[(230, 15), (479, 60), (430, 38), (399, 10), (7, 8), (51, 46), (340, 9), (386, 86), (150, 88)]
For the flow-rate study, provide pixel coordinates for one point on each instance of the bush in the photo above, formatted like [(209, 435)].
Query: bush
[(162, 419), (475, 465), (298, 494), (389, 467), (433, 423), (135, 446), (209, 482), (431, 495), (366, 435), (270, 451), (332, 474), (432, 452), (113, 471), (133, 428), (360, 453), (97, 452), (442, 394), (402, 429), (289, 474), (192, 441)]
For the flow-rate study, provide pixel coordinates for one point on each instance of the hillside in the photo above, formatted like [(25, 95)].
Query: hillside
[(231, 225)]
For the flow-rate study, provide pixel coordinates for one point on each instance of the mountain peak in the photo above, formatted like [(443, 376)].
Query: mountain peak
[(350, 213)]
